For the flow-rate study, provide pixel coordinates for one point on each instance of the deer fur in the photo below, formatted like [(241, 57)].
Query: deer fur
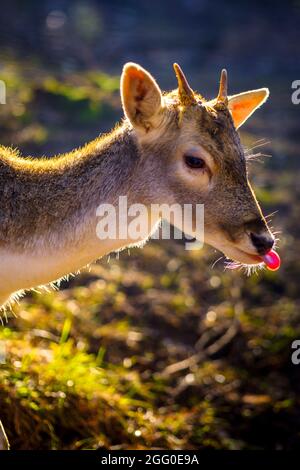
[(48, 206)]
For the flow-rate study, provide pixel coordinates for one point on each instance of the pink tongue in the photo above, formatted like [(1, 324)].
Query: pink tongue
[(272, 260)]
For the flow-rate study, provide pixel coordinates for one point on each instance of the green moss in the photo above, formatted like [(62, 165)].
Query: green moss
[(84, 367)]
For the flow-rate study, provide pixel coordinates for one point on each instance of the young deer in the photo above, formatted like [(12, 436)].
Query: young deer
[(171, 148)]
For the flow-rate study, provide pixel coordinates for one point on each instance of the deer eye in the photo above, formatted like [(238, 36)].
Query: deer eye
[(194, 162)]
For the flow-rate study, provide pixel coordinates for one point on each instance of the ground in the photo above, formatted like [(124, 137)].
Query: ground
[(158, 347)]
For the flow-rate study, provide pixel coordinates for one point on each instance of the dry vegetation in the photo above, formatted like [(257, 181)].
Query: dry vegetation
[(157, 349)]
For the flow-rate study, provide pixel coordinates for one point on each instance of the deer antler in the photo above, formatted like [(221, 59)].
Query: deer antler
[(222, 96), (186, 94)]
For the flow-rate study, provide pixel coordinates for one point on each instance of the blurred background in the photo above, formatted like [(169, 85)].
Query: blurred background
[(159, 347)]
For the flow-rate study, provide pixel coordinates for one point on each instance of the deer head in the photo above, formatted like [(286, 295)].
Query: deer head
[(190, 152)]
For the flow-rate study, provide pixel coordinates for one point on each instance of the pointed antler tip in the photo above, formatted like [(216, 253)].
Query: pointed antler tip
[(224, 75), (177, 68), (223, 80), (186, 94), (222, 95)]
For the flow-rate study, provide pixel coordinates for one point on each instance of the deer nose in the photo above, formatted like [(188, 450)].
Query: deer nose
[(263, 242)]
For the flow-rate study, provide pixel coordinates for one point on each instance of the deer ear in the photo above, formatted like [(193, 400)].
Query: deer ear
[(141, 96), (243, 105)]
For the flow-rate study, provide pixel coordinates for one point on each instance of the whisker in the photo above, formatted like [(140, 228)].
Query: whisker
[(216, 261), (271, 214), (249, 269), (257, 144), (231, 265), (250, 157)]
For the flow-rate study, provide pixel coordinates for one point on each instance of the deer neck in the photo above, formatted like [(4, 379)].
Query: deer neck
[(50, 229)]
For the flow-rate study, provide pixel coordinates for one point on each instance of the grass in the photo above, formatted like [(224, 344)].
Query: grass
[(89, 366)]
